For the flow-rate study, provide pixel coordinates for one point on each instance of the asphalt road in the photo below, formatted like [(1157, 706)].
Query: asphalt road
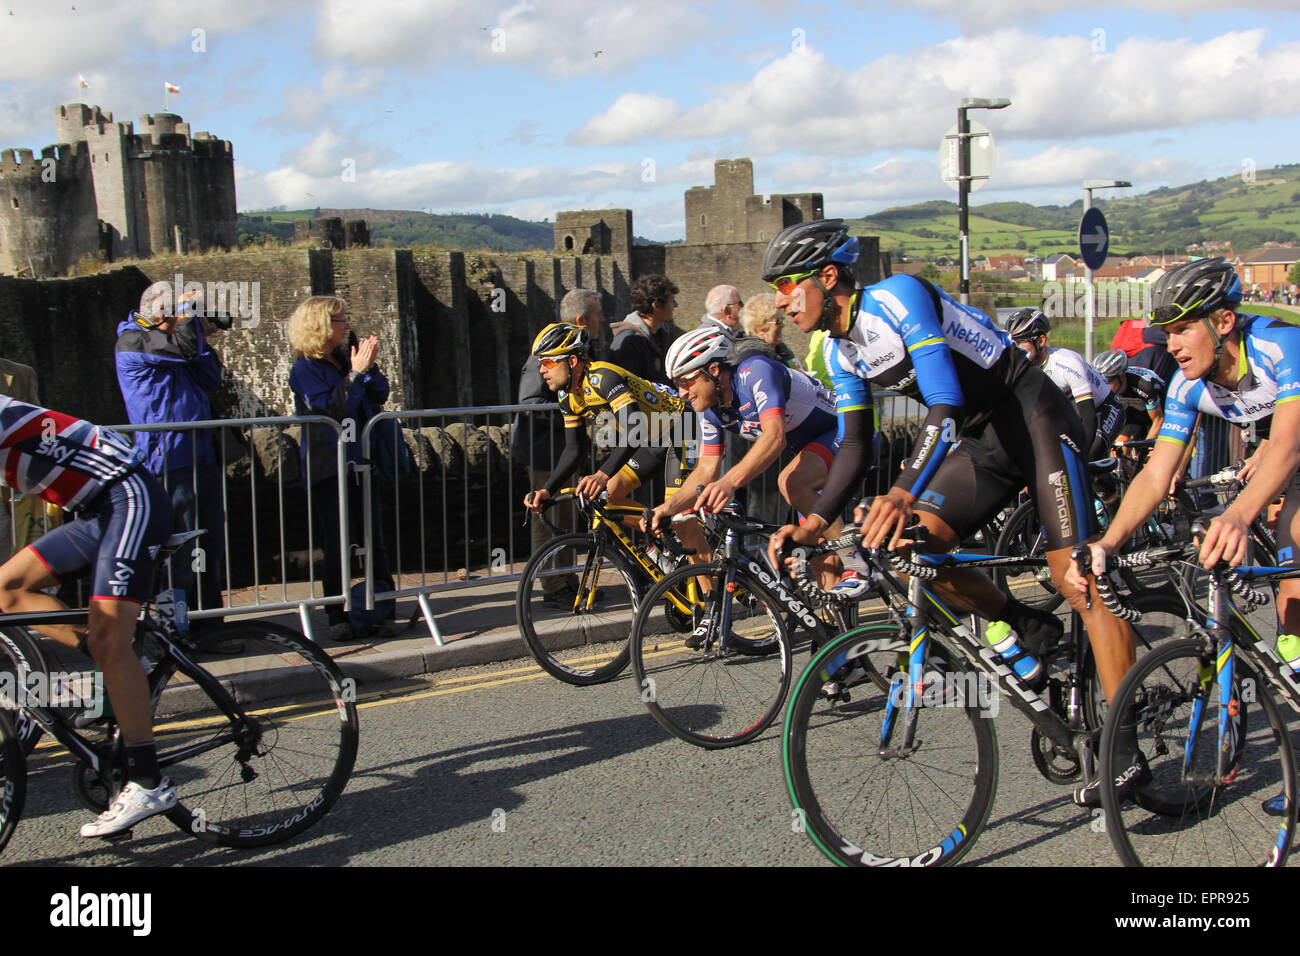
[(501, 765)]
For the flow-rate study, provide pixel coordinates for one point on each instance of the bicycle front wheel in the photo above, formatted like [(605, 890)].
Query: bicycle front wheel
[(729, 688), (574, 605), (274, 767), (863, 799), (13, 779), (1173, 698), (20, 658)]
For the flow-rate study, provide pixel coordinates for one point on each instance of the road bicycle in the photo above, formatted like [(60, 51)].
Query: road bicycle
[(725, 686), (255, 725), (900, 766), (1210, 731), (597, 579)]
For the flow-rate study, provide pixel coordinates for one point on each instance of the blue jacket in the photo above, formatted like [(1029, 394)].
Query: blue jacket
[(319, 388), (166, 378)]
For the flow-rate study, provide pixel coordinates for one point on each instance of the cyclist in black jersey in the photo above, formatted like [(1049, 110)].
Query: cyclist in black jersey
[(1015, 427)]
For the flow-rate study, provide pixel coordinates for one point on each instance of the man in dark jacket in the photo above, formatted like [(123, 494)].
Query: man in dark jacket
[(536, 439), (165, 369), (641, 340)]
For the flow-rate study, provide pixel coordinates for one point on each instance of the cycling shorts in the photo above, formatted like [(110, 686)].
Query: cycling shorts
[(118, 533), (1033, 438), (1286, 541)]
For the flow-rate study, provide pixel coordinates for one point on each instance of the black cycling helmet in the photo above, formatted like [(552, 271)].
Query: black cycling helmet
[(807, 247), (560, 338), (1028, 324), (1194, 289)]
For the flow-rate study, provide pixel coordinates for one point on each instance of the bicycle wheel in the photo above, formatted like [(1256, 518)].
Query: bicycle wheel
[(728, 690), (1023, 536), (13, 779), (272, 774), (579, 633), (20, 656), (1199, 823), (862, 807)]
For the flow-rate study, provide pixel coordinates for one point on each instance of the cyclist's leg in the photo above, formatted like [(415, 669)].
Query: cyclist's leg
[(800, 483), (22, 579), (1288, 533)]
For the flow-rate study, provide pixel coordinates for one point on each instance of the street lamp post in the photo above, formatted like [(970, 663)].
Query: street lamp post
[(964, 177), (1090, 315)]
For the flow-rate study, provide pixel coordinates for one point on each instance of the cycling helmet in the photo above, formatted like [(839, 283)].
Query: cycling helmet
[(1111, 364), (1194, 289), (1028, 324), (807, 246), (697, 349), (559, 338)]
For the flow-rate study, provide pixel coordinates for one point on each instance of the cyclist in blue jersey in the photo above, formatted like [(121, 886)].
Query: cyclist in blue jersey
[(122, 513), (765, 402), (1235, 366), (1015, 427), (1099, 410)]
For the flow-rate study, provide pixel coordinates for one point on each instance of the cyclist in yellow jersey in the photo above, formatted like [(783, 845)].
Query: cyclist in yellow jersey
[(652, 428)]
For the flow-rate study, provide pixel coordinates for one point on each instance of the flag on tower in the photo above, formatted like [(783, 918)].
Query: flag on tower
[(170, 89), (82, 80)]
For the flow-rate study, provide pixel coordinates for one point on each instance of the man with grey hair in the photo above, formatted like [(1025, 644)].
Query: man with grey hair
[(722, 306), (165, 369), (536, 440)]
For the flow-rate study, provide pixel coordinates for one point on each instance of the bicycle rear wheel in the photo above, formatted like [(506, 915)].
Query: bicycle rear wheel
[(865, 808), (577, 632), (1198, 823), (277, 767), (1023, 536), (13, 779), (729, 689)]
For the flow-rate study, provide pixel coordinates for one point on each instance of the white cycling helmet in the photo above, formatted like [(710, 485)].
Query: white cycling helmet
[(1112, 363), (697, 349)]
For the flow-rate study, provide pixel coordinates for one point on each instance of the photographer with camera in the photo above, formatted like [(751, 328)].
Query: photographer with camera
[(165, 369)]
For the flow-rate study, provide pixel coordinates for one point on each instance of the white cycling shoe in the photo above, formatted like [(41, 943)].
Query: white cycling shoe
[(133, 804)]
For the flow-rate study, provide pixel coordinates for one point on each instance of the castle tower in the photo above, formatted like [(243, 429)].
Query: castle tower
[(47, 210), (729, 211)]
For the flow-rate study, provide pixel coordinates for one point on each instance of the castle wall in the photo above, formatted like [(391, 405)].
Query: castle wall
[(46, 210)]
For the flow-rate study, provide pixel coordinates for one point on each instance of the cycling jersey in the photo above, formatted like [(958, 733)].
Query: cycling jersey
[(661, 436), (1143, 387), (1075, 377), (764, 389), (912, 338), (1269, 366), (75, 464), (1016, 428), (65, 460)]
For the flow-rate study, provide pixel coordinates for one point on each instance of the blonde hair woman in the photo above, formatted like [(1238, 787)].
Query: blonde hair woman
[(336, 375), (763, 320)]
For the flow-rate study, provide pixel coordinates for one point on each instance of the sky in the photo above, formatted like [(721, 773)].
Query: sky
[(527, 108)]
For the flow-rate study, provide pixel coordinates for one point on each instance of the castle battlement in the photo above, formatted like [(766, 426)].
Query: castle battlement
[(154, 191)]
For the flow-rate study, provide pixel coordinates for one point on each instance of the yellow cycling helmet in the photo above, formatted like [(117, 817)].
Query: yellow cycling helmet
[(561, 339)]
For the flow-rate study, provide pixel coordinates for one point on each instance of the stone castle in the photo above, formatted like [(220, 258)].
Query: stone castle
[(105, 190)]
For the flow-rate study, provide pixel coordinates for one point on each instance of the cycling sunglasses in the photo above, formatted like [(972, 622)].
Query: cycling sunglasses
[(785, 284)]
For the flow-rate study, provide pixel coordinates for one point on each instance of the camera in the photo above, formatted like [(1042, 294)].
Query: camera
[(222, 320)]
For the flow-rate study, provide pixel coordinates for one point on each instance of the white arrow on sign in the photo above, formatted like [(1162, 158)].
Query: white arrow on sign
[(1098, 238)]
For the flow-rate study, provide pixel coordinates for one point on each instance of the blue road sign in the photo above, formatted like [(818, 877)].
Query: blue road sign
[(1094, 238)]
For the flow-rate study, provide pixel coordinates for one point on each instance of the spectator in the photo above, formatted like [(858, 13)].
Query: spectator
[(336, 375), (641, 340), (536, 440), (165, 369), (763, 320), (723, 304)]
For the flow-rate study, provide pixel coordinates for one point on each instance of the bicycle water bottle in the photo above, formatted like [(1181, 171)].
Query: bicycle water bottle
[(1003, 638), (1288, 648), (654, 554)]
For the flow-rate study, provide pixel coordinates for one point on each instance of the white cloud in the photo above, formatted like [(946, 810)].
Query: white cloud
[(1059, 88), (993, 14), (307, 107), (560, 37)]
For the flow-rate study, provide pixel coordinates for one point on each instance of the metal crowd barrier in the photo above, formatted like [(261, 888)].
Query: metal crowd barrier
[(290, 528)]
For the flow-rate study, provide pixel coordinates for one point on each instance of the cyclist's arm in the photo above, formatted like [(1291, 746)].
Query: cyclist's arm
[(855, 409), (1277, 464), (1088, 413), (575, 441), (1157, 420), (767, 449)]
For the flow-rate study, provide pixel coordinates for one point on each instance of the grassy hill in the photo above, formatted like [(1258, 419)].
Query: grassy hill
[(1247, 214), (404, 228)]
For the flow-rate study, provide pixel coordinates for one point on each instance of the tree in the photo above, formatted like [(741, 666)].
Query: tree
[(1294, 275), (930, 272)]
